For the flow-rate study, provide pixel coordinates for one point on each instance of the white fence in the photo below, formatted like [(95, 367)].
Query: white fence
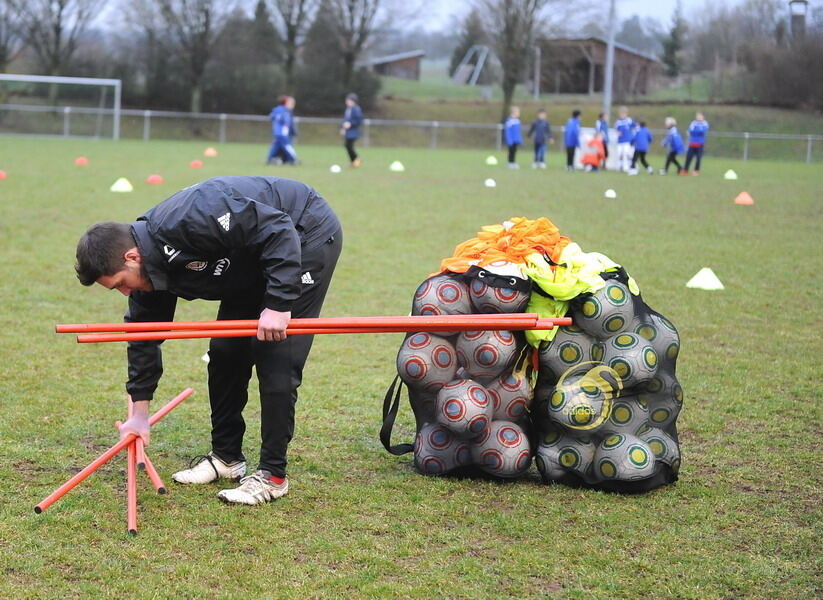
[(73, 121)]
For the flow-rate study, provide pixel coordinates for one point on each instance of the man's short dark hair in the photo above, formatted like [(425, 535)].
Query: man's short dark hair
[(100, 250), (575, 113)]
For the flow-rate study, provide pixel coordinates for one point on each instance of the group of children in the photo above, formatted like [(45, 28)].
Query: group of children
[(633, 142)]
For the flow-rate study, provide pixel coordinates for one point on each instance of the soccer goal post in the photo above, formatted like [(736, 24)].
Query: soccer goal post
[(77, 106)]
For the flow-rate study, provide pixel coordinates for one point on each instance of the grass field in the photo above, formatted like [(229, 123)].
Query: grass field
[(742, 522)]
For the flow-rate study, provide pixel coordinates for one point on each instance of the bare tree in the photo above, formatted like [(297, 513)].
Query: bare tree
[(53, 28), (11, 42), (194, 26), (354, 22), (512, 25), (295, 17)]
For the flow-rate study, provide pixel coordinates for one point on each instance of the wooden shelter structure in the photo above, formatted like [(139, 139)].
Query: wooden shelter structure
[(576, 66), (405, 65)]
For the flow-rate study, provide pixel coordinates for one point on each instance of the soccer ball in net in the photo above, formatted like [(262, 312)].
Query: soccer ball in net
[(442, 295), (511, 397), (570, 347), (464, 407), (426, 362), (437, 450), (486, 354), (503, 450), (632, 357), (607, 312), (623, 456)]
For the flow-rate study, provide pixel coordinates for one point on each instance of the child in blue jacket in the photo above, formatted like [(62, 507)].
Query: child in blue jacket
[(282, 130), (541, 133), (642, 140), (698, 130), (571, 137), (513, 135), (674, 143), (350, 127)]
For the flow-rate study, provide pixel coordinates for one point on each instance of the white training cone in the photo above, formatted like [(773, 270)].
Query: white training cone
[(490, 182), (397, 167), (731, 175), (121, 185), (610, 193), (205, 358), (705, 279), (491, 160), (335, 168)]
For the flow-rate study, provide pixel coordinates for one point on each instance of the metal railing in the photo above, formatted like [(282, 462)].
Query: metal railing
[(79, 121)]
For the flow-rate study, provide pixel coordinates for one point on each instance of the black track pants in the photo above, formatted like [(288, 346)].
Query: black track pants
[(691, 153), (350, 149), (671, 159), (570, 150), (641, 156), (512, 153), (279, 368)]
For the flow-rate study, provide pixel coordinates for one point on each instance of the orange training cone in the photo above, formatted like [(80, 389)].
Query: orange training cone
[(210, 152), (154, 179), (744, 198), (2, 175), (196, 164), (81, 161)]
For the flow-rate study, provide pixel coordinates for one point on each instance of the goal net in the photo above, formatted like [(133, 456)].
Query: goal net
[(59, 106)]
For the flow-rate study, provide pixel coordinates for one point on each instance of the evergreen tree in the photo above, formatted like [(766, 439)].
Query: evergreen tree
[(266, 45), (320, 83), (674, 42)]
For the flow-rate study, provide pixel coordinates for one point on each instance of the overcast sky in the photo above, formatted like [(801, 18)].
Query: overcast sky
[(436, 14)]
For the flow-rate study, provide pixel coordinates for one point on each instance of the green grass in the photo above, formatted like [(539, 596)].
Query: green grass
[(742, 522)]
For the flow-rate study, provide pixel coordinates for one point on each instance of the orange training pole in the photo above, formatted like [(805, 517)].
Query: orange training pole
[(131, 488), (108, 454), (312, 323), (141, 336), (139, 445), (140, 453), (154, 477)]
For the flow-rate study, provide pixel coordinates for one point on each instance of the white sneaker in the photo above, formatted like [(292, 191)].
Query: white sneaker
[(255, 489), (662, 172), (535, 165), (632, 172), (541, 165), (208, 468), (650, 169), (513, 166)]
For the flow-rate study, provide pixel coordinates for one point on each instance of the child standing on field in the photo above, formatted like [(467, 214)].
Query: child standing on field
[(571, 138), (595, 155), (541, 133), (350, 127), (513, 135), (642, 140), (625, 127), (698, 130), (674, 143)]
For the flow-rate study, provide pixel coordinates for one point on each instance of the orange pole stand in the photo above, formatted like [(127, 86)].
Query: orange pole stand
[(107, 455)]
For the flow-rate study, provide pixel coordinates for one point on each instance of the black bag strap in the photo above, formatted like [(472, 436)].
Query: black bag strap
[(391, 404)]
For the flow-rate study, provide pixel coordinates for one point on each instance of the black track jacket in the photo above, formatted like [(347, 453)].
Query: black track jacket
[(222, 238)]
